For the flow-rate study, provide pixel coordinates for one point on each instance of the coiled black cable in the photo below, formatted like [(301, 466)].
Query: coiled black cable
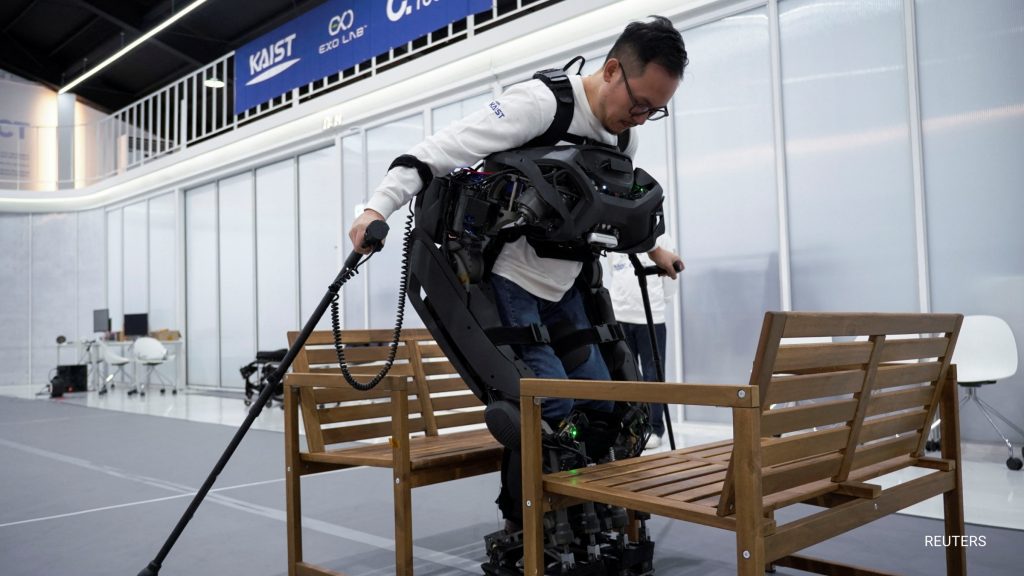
[(399, 316)]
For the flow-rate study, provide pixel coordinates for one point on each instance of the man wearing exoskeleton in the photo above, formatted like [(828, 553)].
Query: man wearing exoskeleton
[(503, 266)]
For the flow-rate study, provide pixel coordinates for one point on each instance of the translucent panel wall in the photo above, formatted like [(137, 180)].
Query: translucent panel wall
[(727, 210), (163, 263), (276, 263), (354, 196), (320, 229), (201, 291), (848, 158), (972, 113), (115, 259), (135, 268), (383, 144), (236, 243), (92, 269), (53, 270)]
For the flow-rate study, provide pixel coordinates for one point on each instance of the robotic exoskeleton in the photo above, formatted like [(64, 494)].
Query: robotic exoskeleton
[(569, 202)]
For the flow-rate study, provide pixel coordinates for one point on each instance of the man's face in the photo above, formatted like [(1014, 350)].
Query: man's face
[(632, 96)]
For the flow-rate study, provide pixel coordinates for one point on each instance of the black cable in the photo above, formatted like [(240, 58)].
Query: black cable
[(399, 316)]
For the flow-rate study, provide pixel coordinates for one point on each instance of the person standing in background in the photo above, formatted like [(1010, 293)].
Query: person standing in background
[(629, 311)]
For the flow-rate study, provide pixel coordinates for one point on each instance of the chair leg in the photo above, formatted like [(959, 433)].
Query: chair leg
[(988, 416), (953, 501), (293, 481), (403, 524)]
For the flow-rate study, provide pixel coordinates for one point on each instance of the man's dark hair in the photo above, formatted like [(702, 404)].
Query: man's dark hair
[(652, 40)]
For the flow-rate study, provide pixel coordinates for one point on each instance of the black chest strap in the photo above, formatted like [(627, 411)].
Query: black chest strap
[(558, 131)]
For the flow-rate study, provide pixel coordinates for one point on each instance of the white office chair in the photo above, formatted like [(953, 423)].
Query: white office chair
[(151, 353), (117, 362), (986, 352)]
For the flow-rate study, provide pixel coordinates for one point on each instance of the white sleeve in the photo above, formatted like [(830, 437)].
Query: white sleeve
[(519, 115), (669, 286)]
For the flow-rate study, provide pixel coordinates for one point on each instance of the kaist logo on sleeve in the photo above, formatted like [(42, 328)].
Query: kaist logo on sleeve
[(269, 61)]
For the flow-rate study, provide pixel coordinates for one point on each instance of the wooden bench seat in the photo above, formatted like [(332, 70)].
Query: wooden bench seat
[(817, 424), (420, 420)]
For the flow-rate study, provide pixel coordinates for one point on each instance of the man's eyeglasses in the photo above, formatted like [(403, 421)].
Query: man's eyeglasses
[(639, 109)]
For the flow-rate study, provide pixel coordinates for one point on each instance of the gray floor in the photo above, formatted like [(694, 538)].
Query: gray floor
[(88, 491)]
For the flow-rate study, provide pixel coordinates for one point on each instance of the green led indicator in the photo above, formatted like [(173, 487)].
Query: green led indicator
[(572, 431)]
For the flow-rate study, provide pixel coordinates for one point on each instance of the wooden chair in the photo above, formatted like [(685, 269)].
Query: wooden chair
[(421, 421), (825, 453)]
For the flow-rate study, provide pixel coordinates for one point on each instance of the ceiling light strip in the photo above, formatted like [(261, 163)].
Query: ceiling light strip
[(174, 18)]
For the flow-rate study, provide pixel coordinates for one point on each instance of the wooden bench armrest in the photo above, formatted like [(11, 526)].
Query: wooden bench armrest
[(727, 395), (306, 380)]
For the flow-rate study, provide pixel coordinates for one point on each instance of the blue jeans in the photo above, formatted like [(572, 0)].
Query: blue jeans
[(639, 340), (517, 307)]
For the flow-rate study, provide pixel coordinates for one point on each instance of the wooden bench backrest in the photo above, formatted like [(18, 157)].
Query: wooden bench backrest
[(438, 398), (839, 405)]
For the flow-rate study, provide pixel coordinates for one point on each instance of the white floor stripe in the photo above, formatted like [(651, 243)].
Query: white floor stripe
[(264, 511)]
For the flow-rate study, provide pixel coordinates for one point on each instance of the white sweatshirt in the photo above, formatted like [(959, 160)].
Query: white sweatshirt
[(519, 115), (625, 290)]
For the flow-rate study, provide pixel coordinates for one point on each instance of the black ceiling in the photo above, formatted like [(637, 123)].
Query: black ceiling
[(54, 41)]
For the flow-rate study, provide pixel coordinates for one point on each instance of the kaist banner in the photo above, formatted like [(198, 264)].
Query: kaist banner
[(333, 37)]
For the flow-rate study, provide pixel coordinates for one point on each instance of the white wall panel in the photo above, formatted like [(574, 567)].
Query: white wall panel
[(15, 285), (276, 269), (115, 258), (163, 263), (92, 268), (972, 111), (237, 277), (53, 292), (848, 156), (384, 143), (201, 292), (319, 228), (355, 193), (136, 258), (726, 201)]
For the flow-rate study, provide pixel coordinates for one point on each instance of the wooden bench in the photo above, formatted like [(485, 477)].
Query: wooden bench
[(410, 422), (816, 425)]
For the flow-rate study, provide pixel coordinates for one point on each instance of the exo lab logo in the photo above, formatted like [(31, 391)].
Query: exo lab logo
[(407, 7), (342, 24), (270, 61)]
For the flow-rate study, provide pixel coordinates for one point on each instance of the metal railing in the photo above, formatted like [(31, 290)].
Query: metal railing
[(190, 111)]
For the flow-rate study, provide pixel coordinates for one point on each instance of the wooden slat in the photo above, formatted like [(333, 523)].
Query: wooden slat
[(431, 350), (443, 368), (799, 473), (810, 324), (663, 392), (697, 493), (333, 395), (885, 402), (891, 425), (797, 357), (455, 402), (914, 349), (453, 419), (653, 504), (806, 387), (356, 354), (447, 384), (778, 451), (884, 450), (641, 482), (904, 374), (340, 434), (805, 416), (357, 412), (326, 338), (877, 344)]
